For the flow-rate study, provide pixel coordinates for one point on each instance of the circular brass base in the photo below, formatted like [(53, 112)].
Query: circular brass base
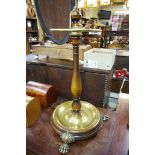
[(81, 125)]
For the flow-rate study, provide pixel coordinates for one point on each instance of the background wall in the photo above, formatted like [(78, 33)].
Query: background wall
[(115, 10)]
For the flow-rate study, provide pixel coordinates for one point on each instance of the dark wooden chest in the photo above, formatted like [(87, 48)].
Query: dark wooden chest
[(96, 83)]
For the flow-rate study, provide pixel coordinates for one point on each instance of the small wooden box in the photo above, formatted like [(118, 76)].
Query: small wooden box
[(44, 92), (33, 110)]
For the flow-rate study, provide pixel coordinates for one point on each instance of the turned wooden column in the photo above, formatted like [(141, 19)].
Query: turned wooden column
[(76, 85)]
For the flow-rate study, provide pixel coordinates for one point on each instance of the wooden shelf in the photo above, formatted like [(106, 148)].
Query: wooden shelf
[(31, 27)]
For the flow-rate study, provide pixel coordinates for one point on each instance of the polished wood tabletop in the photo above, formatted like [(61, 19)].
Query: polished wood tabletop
[(111, 139)]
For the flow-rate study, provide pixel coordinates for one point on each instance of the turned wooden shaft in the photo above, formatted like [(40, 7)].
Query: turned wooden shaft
[(76, 86)]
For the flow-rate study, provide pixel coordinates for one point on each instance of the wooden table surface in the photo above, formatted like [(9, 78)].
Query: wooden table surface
[(111, 139)]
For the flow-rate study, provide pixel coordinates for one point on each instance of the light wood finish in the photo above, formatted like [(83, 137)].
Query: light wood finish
[(33, 110), (64, 51)]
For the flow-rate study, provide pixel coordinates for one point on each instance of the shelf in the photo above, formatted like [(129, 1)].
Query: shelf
[(31, 27)]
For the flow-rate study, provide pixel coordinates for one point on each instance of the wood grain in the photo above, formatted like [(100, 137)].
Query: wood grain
[(96, 83), (45, 93)]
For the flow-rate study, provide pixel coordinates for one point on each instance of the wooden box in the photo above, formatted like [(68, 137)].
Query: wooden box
[(33, 110), (44, 92)]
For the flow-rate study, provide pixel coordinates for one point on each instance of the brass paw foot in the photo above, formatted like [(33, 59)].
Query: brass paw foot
[(105, 118), (67, 138), (64, 148)]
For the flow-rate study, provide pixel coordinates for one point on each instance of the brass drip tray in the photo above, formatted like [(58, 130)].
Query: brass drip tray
[(82, 125)]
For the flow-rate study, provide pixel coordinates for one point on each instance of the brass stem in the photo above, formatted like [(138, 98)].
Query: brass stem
[(76, 86)]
